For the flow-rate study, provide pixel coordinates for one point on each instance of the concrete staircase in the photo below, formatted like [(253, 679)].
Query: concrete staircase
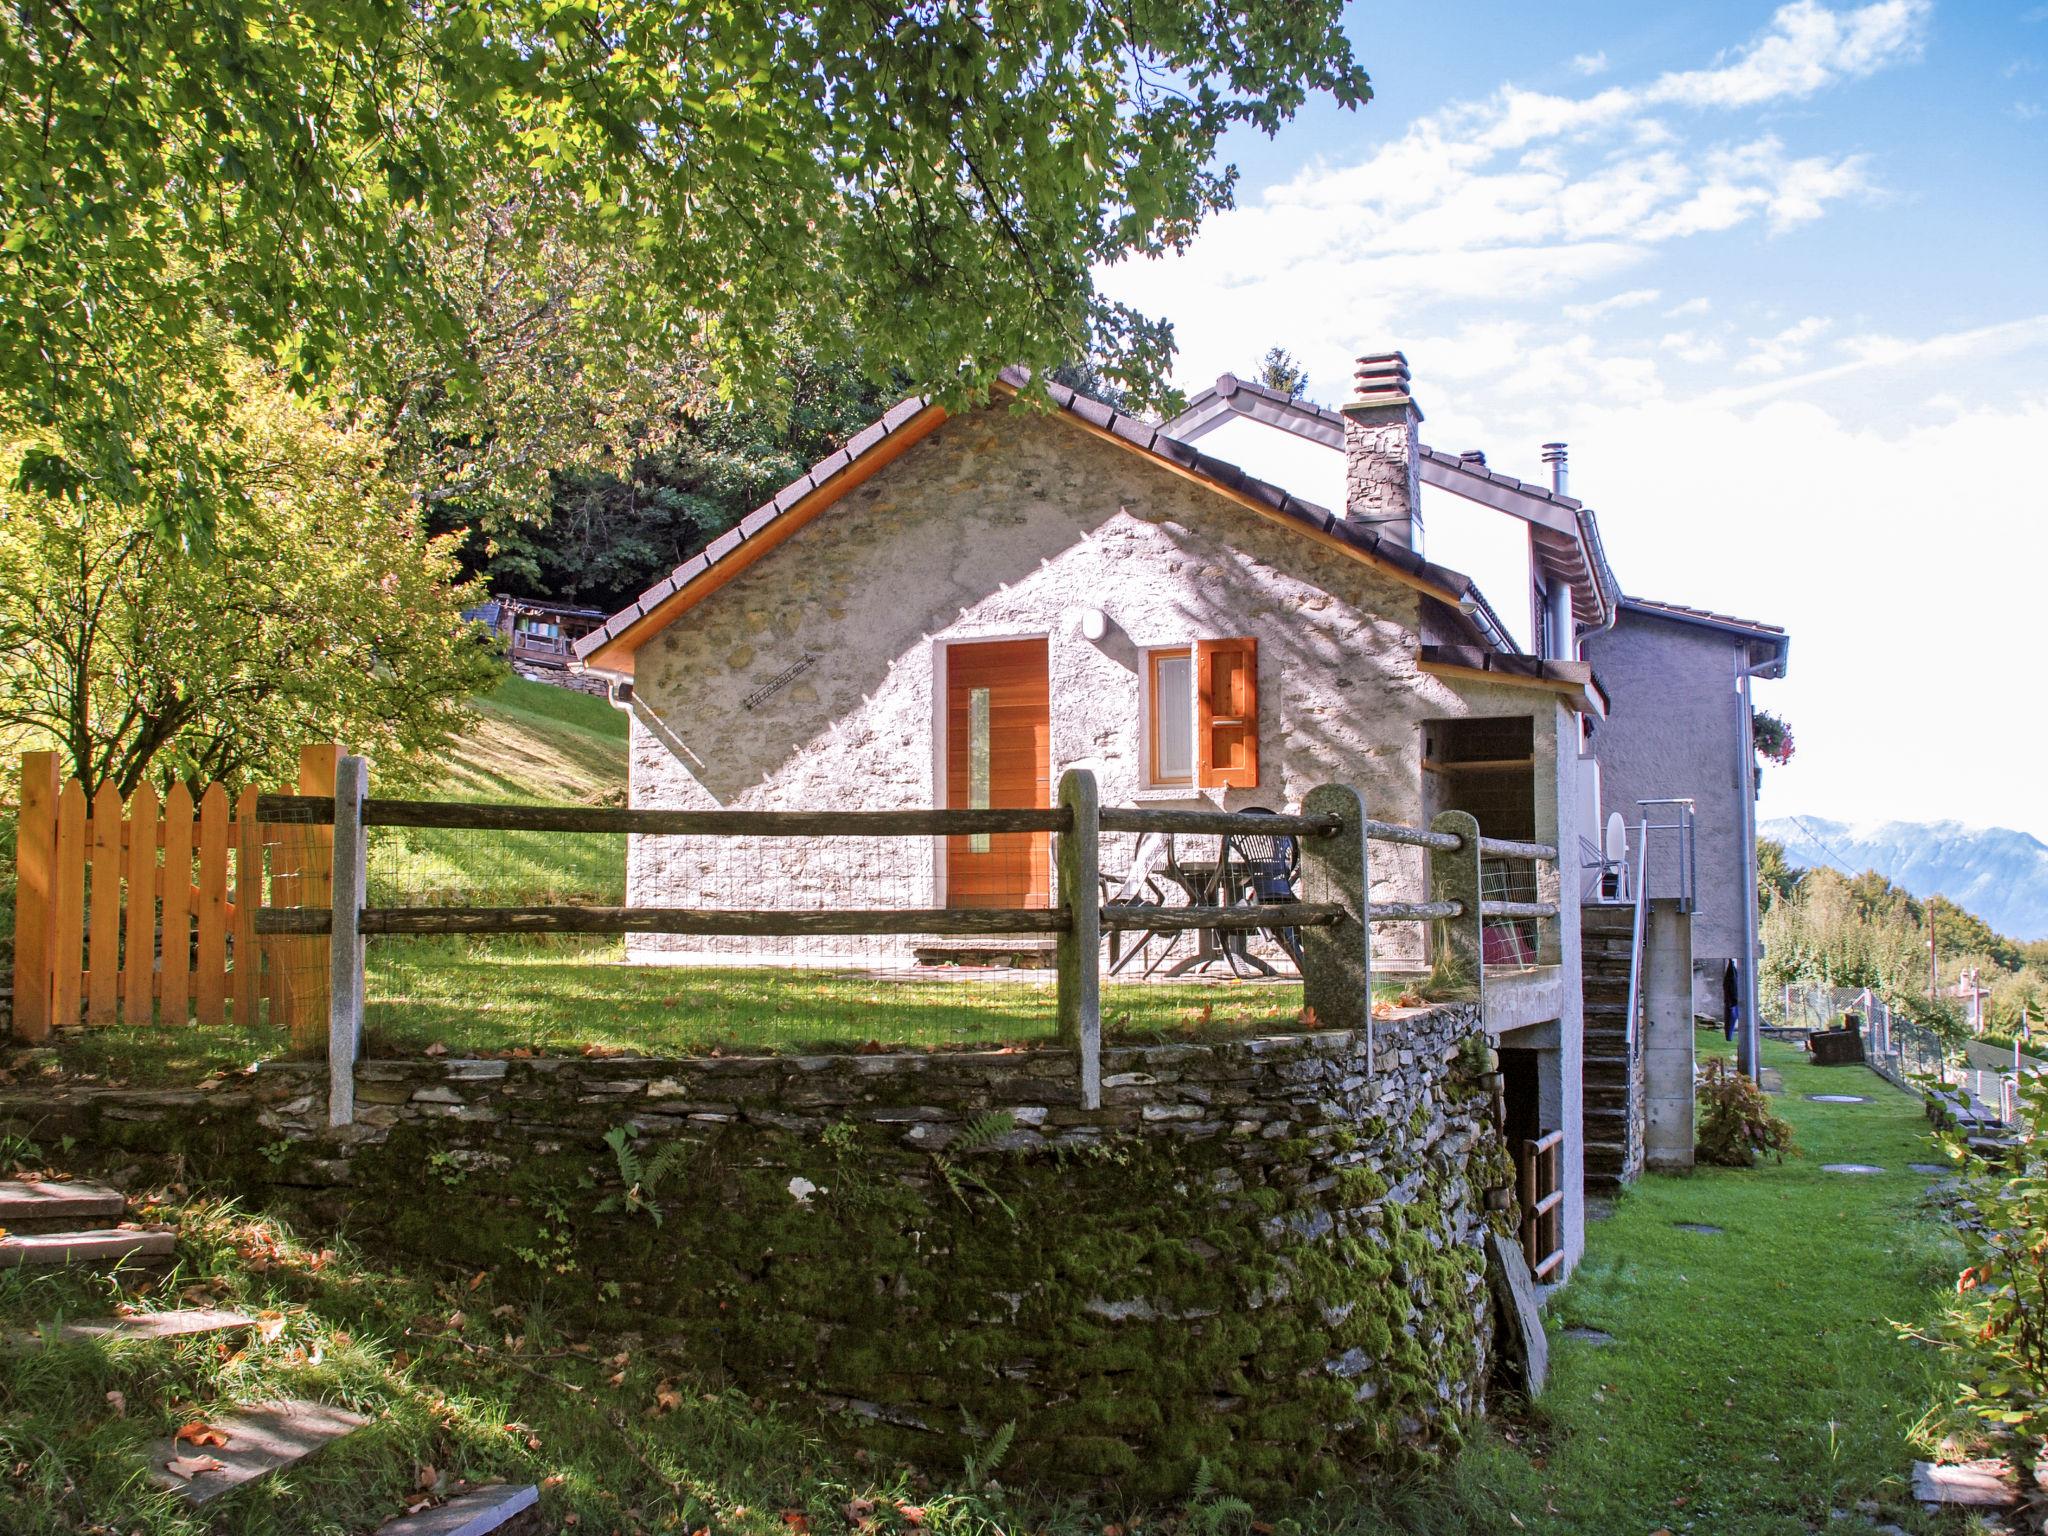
[(55, 1223), (1614, 1088)]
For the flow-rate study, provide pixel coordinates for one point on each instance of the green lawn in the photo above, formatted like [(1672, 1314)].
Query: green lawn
[(1757, 1381)]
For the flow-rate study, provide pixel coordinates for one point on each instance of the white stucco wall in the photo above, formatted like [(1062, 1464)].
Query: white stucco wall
[(1672, 731)]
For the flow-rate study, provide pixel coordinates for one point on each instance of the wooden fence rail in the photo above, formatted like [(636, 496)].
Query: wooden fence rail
[(146, 911)]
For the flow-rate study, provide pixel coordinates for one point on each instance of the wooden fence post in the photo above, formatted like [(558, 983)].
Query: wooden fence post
[(1079, 949), (345, 939), (210, 992), (138, 964), (175, 994), (103, 921), (247, 977), (1336, 961), (304, 984), (1460, 942), (35, 895), (67, 922)]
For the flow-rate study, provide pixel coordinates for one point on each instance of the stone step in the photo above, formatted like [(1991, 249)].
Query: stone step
[(100, 1248), (259, 1441), (49, 1205), (185, 1323), (501, 1508)]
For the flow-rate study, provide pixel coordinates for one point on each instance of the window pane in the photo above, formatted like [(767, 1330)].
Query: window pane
[(977, 761), (1173, 707)]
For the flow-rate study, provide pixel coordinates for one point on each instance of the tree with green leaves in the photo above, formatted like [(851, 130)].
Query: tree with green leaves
[(1279, 371), (924, 188), (324, 612)]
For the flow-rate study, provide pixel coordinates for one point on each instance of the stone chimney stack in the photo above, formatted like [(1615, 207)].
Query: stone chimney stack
[(1382, 482)]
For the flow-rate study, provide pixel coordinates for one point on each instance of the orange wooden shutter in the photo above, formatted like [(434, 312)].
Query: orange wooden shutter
[(1227, 712)]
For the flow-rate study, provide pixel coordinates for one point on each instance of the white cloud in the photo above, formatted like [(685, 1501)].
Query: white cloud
[(1588, 63), (1693, 346), (1797, 515), (1699, 305), (1520, 197), (1634, 298), (1775, 354), (2027, 111)]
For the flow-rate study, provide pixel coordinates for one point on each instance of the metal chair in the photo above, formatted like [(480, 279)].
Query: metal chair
[(1138, 886), (1264, 869)]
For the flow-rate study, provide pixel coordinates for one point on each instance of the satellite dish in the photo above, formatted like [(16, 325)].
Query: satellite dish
[(1615, 847)]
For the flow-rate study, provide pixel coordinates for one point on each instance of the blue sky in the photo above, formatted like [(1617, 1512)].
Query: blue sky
[(1779, 274)]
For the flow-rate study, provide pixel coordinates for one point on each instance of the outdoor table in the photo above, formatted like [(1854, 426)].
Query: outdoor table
[(1210, 883)]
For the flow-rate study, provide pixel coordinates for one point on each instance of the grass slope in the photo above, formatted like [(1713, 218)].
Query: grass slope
[(1757, 1386), (1757, 1383)]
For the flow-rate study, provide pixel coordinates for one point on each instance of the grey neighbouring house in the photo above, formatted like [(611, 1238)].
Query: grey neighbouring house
[(1679, 678), (1677, 729), (969, 604)]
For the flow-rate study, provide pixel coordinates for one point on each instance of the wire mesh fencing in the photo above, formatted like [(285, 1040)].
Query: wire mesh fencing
[(740, 991)]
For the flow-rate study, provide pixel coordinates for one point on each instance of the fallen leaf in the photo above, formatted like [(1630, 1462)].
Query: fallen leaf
[(913, 1514), (426, 1478), (798, 1522), (477, 1280), (270, 1326), (455, 1322), (198, 1433), (189, 1467), (437, 1049), (118, 1403), (857, 1510), (666, 1397)]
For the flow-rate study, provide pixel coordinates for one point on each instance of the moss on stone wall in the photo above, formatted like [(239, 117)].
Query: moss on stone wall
[(1264, 1256)]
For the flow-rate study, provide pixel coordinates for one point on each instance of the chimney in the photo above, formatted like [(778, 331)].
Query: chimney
[(1553, 455), (1383, 456)]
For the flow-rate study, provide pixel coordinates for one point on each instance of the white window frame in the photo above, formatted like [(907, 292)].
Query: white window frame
[(1148, 720)]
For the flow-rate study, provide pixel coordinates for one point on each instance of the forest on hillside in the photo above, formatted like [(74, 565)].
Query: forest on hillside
[(1823, 927)]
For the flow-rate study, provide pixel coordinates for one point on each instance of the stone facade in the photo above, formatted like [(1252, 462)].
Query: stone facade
[(1007, 524), (1266, 1254)]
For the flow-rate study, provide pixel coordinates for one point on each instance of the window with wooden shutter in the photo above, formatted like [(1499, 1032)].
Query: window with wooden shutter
[(1227, 712)]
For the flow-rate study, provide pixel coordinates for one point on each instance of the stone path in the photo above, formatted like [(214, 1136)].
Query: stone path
[(79, 1226)]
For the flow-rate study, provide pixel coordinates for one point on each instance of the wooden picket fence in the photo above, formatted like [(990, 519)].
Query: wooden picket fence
[(145, 912)]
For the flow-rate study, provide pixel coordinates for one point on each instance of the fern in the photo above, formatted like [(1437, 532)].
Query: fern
[(981, 1465), (642, 1179), (981, 1132), (1209, 1514)]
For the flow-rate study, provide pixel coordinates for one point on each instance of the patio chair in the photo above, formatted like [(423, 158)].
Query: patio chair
[(1264, 868), (1137, 886)]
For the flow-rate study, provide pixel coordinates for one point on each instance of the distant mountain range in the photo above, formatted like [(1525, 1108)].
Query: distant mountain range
[(1995, 872)]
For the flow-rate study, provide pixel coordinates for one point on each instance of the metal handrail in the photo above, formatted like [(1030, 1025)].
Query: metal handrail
[(1635, 946)]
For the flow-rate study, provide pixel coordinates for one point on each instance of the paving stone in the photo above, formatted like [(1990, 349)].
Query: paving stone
[(1704, 1228), (1593, 1336), (1849, 1168), (108, 1245), (189, 1322), (479, 1512), (1929, 1167), (1838, 1098), (1978, 1484), (34, 1205), (260, 1440)]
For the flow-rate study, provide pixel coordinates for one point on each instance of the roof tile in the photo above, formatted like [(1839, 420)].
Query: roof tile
[(793, 493), (758, 519)]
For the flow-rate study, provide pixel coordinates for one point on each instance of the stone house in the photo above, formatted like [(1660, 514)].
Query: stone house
[(960, 607)]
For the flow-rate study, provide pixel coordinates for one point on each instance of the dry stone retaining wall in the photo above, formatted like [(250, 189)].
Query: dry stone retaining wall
[(1265, 1254)]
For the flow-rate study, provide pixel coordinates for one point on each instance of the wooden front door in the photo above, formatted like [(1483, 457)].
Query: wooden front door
[(998, 756)]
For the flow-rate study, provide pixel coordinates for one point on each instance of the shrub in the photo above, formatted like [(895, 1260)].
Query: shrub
[(1999, 1323), (1736, 1121)]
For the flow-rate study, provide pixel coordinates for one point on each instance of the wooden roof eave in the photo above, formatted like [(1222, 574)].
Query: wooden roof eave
[(615, 656)]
